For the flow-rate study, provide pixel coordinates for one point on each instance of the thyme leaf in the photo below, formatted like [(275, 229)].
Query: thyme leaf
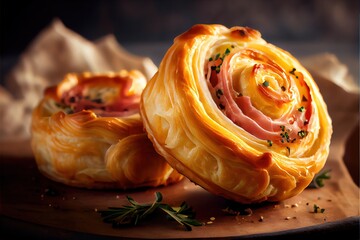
[(318, 180), (135, 212)]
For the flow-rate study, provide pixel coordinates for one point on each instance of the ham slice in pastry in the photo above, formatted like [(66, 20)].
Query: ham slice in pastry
[(87, 132), (237, 115)]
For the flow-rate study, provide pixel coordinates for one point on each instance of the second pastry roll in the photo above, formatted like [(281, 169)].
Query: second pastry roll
[(87, 132)]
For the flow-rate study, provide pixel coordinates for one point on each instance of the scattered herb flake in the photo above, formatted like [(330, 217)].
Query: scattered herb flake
[(219, 93), (266, 83), (318, 180), (218, 56), (227, 51), (317, 209), (301, 109), (302, 133), (217, 69), (293, 72), (288, 149)]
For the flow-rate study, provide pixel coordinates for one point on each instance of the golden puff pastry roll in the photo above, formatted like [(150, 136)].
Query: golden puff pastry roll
[(238, 116), (87, 132)]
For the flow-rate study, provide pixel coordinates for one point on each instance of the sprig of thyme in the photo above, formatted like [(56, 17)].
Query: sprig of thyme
[(318, 180), (135, 212)]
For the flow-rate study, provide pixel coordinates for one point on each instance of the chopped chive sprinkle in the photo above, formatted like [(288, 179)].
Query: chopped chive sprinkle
[(219, 93), (270, 143), (285, 136), (302, 133), (301, 109), (217, 69), (266, 83), (282, 127), (210, 59), (293, 72), (317, 209), (217, 56)]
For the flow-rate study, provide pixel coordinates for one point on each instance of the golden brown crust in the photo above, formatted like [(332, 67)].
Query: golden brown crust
[(237, 115), (97, 143)]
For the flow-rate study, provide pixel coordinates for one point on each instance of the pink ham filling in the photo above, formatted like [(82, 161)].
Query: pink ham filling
[(121, 106), (240, 110)]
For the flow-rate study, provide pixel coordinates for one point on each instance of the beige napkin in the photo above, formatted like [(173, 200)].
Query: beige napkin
[(54, 52), (341, 94)]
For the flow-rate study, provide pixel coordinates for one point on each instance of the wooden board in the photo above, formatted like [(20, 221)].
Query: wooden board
[(27, 209)]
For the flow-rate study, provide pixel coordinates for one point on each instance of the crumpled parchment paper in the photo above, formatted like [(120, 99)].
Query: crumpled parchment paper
[(58, 50)]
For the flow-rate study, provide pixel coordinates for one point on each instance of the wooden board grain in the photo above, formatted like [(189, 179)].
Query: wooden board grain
[(69, 212)]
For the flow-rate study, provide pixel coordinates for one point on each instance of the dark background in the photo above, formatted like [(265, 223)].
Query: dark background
[(335, 21), (148, 27)]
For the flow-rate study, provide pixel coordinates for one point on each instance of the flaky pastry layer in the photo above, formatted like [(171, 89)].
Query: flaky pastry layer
[(237, 115), (87, 132)]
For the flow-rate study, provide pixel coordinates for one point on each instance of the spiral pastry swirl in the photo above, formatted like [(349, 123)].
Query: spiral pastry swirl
[(87, 132), (237, 115)]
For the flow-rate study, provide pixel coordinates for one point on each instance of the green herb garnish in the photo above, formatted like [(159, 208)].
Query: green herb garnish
[(317, 209), (227, 51), (302, 133), (301, 109), (217, 69), (293, 72), (285, 136), (266, 84), (318, 180), (219, 93), (270, 143), (135, 212), (217, 56), (221, 57)]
